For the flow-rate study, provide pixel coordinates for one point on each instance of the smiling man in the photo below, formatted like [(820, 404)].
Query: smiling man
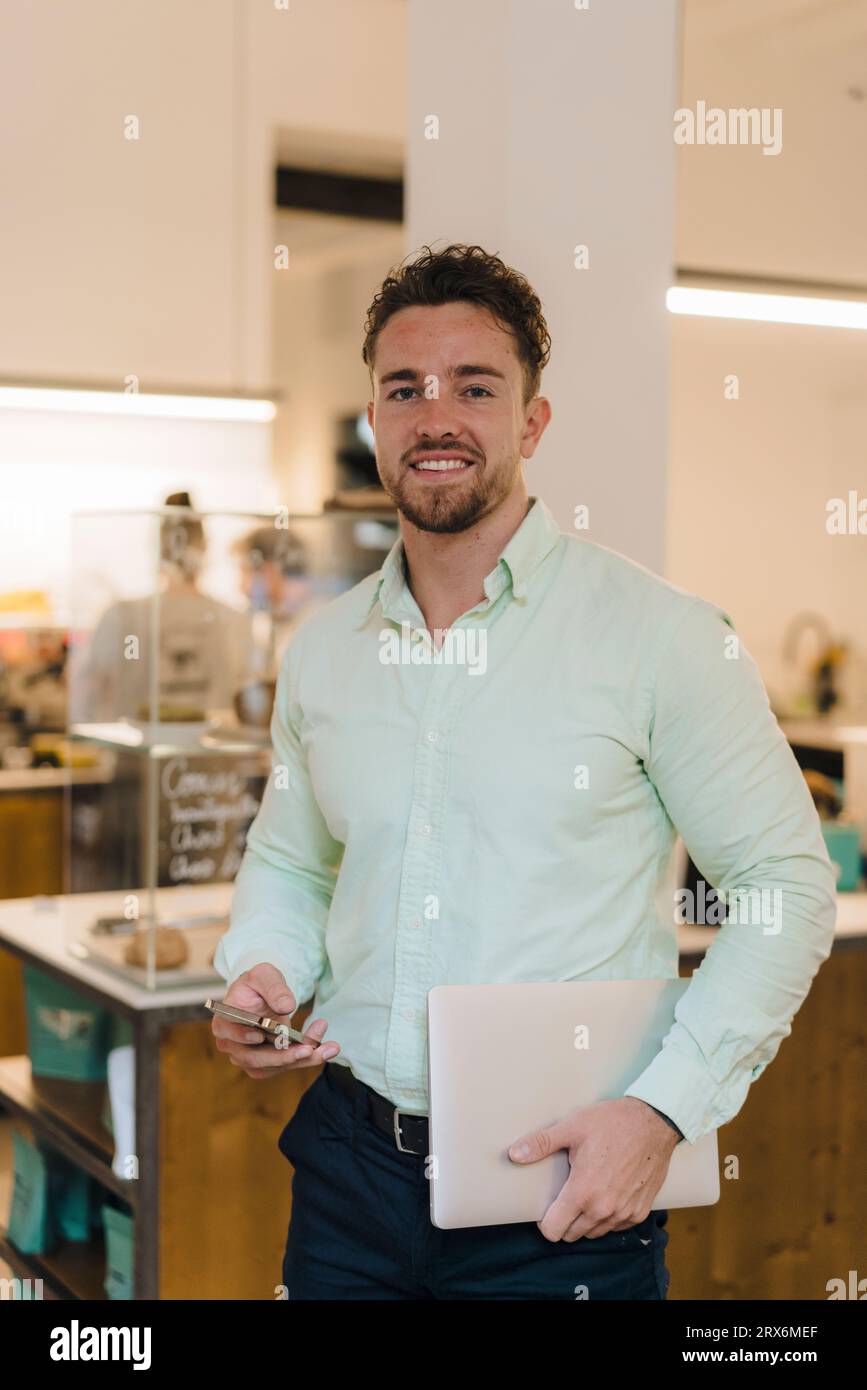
[(423, 827)]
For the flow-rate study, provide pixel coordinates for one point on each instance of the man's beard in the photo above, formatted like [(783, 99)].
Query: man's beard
[(449, 509)]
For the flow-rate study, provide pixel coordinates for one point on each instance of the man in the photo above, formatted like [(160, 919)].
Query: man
[(503, 808)]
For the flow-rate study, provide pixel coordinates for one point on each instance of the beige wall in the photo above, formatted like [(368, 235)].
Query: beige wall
[(118, 256), (750, 479), (324, 85), (319, 311), (154, 257)]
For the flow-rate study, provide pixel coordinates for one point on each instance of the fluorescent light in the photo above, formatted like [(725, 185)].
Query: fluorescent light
[(768, 308), (234, 408)]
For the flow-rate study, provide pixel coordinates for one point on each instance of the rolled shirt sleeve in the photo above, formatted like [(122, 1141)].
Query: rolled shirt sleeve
[(284, 887), (731, 786)]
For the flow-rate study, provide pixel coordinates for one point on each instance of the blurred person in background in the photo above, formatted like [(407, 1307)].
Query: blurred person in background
[(204, 645), (274, 574)]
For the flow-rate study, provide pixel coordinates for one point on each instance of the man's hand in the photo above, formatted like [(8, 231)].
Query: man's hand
[(263, 990), (619, 1152)]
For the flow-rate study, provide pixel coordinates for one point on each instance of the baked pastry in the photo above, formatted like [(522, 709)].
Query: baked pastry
[(170, 948)]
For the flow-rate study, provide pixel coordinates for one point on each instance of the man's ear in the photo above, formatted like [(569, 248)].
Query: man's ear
[(538, 418), (370, 413)]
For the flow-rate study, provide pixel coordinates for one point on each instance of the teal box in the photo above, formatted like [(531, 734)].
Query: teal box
[(843, 843), (30, 1229), (119, 1249), (69, 1196), (68, 1037)]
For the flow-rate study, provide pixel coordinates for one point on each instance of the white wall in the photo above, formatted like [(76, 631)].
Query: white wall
[(54, 464), (801, 212), (155, 257), (750, 479), (120, 257), (556, 130)]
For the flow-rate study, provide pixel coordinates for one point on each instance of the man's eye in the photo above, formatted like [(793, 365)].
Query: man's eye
[(395, 395)]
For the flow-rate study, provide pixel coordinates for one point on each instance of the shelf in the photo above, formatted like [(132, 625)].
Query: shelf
[(40, 779), (73, 1270), (146, 739), (67, 1115)]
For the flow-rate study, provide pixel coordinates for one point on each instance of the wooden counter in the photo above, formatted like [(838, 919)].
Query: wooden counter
[(793, 1161), (211, 1205), (212, 1202)]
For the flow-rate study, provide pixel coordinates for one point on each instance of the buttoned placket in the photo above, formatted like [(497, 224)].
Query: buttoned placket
[(421, 866)]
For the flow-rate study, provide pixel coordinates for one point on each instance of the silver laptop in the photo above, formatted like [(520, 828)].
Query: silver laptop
[(504, 1060)]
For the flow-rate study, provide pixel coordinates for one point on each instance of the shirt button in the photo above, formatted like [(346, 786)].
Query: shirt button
[(432, 735), (416, 922), (425, 830), (409, 1015)]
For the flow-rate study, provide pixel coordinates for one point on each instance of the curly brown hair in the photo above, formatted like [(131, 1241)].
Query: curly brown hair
[(466, 273)]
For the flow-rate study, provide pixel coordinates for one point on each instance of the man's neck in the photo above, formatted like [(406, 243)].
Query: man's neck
[(446, 572)]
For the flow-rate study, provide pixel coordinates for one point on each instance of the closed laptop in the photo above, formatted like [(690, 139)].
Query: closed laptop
[(504, 1060)]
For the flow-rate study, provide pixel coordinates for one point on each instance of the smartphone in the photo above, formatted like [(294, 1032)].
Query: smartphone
[(269, 1026)]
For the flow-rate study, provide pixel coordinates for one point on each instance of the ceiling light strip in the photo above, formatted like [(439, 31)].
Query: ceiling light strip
[(133, 403), (767, 308)]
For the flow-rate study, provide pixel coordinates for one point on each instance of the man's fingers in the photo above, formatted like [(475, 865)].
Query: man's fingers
[(260, 990), (272, 1058), (539, 1144), (530, 1148), (576, 1231), (263, 990), (568, 1212), (584, 1226), (235, 1032), (325, 1050), (316, 1031), (268, 982), (245, 996)]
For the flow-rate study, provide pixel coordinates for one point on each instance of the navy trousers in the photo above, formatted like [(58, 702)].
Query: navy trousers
[(361, 1227)]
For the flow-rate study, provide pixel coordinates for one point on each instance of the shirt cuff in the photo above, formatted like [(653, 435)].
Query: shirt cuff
[(668, 1120), (677, 1087)]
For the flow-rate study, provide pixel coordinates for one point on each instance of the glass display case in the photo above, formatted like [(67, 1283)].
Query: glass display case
[(179, 623)]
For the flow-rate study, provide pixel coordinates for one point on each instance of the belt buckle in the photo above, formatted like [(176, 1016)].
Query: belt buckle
[(397, 1140)]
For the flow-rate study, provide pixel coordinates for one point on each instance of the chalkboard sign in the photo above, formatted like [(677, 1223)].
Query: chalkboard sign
[(206, 803)]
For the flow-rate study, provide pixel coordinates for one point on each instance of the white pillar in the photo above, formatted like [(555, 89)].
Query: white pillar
[(555, 131)]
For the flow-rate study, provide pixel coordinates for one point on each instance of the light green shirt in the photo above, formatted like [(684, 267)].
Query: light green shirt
[(506, 811)]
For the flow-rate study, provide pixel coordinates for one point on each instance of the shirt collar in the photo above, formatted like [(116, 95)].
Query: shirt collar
[(534, 539)]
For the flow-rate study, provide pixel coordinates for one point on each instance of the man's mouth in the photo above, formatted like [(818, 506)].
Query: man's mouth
[(446, 465)]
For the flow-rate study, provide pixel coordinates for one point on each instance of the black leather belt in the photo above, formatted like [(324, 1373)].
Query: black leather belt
[(408, 1132)]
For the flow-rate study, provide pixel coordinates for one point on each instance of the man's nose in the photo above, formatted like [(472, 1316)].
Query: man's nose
[(437, 418)]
